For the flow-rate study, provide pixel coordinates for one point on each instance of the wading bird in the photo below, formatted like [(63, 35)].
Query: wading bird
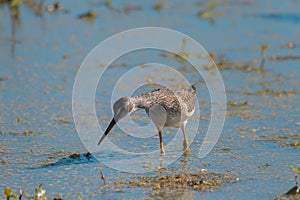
[(166, 107)]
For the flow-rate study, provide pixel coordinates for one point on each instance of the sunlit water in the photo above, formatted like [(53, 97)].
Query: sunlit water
[(40, 61)]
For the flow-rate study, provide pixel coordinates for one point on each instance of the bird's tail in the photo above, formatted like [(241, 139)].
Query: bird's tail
[(195, 83)]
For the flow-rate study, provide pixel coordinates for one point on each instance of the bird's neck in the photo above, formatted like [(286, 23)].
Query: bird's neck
[(143, 101)]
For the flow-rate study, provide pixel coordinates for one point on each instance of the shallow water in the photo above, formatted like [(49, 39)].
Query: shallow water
[(40, 59)]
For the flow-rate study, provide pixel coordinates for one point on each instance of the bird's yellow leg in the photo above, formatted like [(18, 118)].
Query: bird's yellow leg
[(185, 140), (161, 143)]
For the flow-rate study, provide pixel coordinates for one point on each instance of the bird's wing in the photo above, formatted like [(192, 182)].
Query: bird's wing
[(187, 96)]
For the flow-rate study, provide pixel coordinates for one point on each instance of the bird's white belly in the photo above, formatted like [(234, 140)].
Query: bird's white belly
[(178, 121), (173, 122)]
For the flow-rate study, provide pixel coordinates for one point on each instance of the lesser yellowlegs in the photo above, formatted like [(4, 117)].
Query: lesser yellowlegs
[(166, 107)]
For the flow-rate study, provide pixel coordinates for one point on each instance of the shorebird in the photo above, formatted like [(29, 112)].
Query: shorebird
[(166, 107)]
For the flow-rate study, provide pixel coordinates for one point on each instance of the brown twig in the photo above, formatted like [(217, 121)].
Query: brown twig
[(102, 177)]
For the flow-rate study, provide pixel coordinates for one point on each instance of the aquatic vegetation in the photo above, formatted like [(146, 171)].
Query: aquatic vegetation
[(10, 132), (285, 57), (40, 194), (4, 78), (90, 15), (202, 181), (103, 177), (294, 144), (129, 8), (242, 110), (27, 132), (263, 55), (161, 5), (234, 104), (126, 9), (63, 121), (284, 137), (25, 151), (297, 170), (284, 141), (108, 4), (8, 192), (57, 6), (3, 162), (208, 12), (272, 92), (264, 166), (158, 6), (226, 64), (181, 55), (35, 6)]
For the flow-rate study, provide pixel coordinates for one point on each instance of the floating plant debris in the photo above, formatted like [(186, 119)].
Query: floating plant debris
[(103, 177), (242, 110), (284, 137), (264, 166), (4, 78), (128, 9), (3, 162), (90, 15), (285, 57), (234, 104), (283, 140), (161, 5), (208, 11), (64, 121), (272, 92), (158, 6), (54, 7), (294, 144), (125, 9), (27, 132), (202, 181), (297, 170)]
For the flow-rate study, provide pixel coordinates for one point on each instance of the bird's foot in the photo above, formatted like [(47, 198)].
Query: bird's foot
[(186, 153), (187, 150), (185, 145), (162, 150)]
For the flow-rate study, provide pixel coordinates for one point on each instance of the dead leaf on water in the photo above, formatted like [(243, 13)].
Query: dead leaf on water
[(90, 15), (297, 170)]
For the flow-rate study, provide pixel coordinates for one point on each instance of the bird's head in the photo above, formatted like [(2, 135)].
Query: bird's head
[(122, 107)]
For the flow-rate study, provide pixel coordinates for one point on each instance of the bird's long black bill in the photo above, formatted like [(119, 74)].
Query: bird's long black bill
[(110, 126)]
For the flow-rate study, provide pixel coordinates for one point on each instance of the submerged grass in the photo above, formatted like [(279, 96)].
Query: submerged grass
[(272, 92), (291, 140), (201, 181)]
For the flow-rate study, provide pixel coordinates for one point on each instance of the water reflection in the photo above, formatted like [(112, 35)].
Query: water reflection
[(37, 7)]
